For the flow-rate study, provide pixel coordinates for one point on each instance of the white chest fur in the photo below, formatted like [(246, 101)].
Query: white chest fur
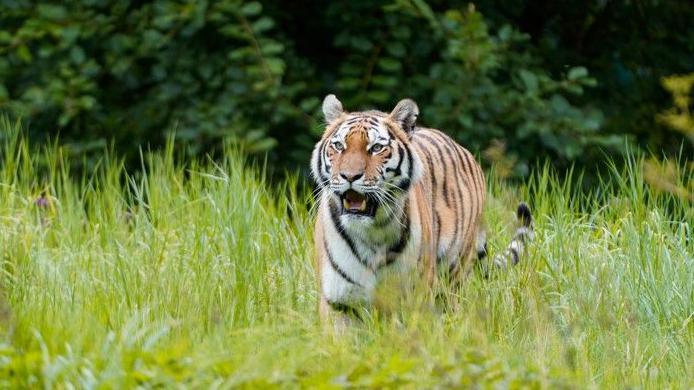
[(357, 255)]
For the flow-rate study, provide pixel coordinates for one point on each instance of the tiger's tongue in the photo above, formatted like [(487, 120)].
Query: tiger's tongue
[(354, 201)]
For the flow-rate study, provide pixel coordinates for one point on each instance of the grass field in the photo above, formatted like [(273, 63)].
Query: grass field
[(201, 275)]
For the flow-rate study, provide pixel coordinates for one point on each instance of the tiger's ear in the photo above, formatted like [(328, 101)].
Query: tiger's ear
[(332, 108), (405, 113)]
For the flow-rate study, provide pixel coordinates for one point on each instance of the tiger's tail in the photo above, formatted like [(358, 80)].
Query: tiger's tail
[(524, 234)]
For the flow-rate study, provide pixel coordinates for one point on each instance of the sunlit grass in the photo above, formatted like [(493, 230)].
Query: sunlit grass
[(202, 275)]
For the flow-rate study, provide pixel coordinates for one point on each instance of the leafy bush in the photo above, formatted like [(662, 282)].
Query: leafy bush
[(629, 46), (133, 71), (477, 85), (96, 70), (485, 87)]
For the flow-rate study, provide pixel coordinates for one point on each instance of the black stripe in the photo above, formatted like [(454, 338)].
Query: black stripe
[(336, 267), (421, 250), (404, 232), (453, 269), (438, 234), (409, 160), (483, 253), (431, 172), (446, 139), (433, 143), (477, 180), (341, 307), (461, 156), (325, 163), (401, 154), (319, 160), (514, 252), (341, 230), (319, 164), (397, 170), (458, 198), (467, 176), (472, 176), (404, 185), (524, 215)]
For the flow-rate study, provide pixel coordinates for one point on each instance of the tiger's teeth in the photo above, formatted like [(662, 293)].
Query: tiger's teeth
[(347, 205)]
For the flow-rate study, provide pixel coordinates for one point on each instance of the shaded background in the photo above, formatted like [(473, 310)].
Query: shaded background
[(515, 81)]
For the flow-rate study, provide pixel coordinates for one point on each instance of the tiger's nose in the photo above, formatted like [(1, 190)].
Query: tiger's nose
[(351, 177)]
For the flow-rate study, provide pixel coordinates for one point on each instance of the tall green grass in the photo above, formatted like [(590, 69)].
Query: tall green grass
[(201, 275)]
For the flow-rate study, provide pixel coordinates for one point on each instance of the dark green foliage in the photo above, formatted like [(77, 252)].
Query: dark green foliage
[(134, 71), (629, 46), (97, 70)]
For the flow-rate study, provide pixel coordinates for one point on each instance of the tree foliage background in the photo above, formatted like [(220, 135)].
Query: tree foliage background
[(518, 79)]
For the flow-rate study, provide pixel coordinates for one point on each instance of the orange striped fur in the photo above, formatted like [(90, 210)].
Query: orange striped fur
[(394, 197)]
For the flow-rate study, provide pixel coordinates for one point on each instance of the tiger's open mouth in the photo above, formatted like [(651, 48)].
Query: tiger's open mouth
[(358, 204)]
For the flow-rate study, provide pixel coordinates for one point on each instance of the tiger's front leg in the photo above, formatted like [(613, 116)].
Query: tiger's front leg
[(337, 317), (345, 283)]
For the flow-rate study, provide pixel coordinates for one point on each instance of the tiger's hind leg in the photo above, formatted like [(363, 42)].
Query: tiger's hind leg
[(458, 272), (462, 263)]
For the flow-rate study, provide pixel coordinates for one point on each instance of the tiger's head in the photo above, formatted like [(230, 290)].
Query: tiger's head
[(365, 159)]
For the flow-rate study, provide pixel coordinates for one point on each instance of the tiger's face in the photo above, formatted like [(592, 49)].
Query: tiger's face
[(364, 159)]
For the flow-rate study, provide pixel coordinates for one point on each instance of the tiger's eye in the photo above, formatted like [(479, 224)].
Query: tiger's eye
[(376, 148), (339, 146)]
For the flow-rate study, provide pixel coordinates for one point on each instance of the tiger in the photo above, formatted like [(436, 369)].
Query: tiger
[(394, 196)]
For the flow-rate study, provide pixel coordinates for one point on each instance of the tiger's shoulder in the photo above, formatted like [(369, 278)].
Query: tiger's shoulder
[(444, 156)]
